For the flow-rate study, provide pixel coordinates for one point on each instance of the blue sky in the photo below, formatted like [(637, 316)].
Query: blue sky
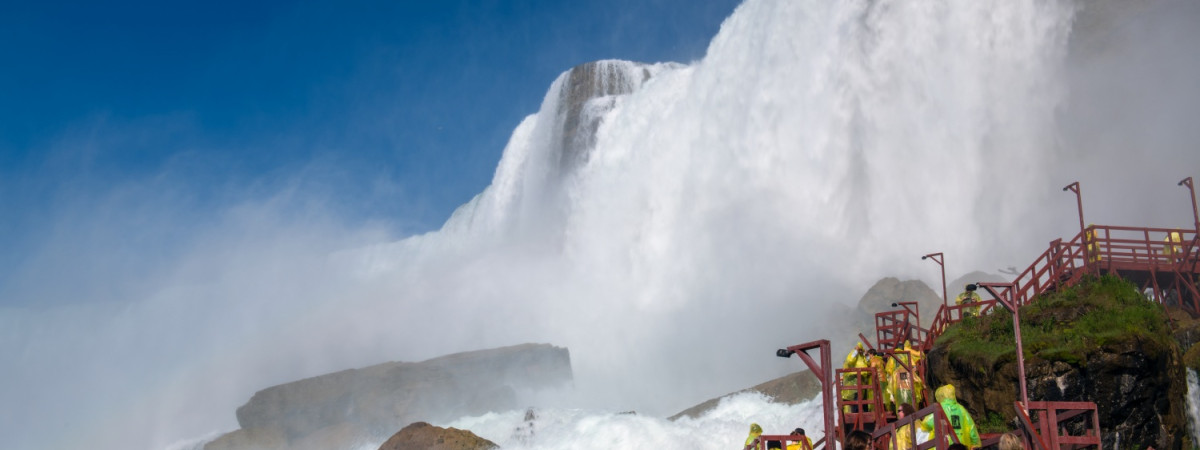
[(394, 112)]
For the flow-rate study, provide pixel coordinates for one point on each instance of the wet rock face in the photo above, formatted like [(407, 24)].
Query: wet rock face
[(423, 436), (1138, 388), (588, 93), (369, 404)]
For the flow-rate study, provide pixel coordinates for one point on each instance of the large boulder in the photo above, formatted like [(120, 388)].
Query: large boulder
[(423, 436), (369, 404)]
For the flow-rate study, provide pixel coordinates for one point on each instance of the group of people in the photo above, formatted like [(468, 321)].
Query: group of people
[(901, 387), (798, 441), (957, 416), (898, 381)]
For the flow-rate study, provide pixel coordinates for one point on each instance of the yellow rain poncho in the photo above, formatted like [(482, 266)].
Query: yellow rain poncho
[(960, 419)]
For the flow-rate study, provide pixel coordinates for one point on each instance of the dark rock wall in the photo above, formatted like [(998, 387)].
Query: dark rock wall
[(1139, 389)]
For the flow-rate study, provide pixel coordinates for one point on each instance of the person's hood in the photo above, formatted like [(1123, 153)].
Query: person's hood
[(945, 394)]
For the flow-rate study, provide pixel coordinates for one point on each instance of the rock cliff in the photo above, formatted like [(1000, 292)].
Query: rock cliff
[(370, 404)]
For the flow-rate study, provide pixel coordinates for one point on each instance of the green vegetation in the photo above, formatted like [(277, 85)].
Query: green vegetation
[(995, 423), (1068, 326)]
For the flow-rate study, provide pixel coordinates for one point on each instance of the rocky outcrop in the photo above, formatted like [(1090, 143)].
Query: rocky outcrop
[(423, 436), (369, 404), (891, 290), (1134, 386), (1134, 375), (790, 389)]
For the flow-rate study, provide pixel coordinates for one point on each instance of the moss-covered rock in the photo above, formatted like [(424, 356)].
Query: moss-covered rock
[(1101, 341)]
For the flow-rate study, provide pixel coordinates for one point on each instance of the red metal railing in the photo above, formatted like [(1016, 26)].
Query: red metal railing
[(949, 315), (892, 328), (1149, 253), (1046, 422), (1111, 249), (860, 405), (941, 437)]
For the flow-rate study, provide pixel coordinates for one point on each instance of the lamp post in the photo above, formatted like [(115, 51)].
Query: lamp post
[(1074, 187), (1004, 297), (1195, 216), (938, 258)]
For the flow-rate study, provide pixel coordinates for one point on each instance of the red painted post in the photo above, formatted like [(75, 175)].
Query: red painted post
[(1195, 215), (824, 372), (940, 259), (1074, 187), (1004, 298)]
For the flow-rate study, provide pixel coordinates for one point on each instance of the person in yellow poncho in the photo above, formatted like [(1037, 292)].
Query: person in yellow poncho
[(805, 445), (1089, 241), (903, 384), (856, 359), (752, 440), (969, 297), (904, 435), (875, 361), (1171, 246), (960, 419)]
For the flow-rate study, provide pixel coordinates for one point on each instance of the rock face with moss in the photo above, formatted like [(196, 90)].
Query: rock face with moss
[(1101, 341)]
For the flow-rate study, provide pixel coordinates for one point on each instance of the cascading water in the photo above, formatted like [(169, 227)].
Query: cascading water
[(1193, 404), (671, 224), (815, 146)]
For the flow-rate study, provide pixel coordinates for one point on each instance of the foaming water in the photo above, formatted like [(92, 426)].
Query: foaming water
[(726, 426)]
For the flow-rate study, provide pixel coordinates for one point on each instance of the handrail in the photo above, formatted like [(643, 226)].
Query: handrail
[(1095, 250), (1032, 438), (941, 437), (1049, 424), (866, 410)]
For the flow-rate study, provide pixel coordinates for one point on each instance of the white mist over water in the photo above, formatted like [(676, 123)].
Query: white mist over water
[(728, 207)]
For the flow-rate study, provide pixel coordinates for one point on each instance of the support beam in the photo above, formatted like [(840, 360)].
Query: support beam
[(824, 373)]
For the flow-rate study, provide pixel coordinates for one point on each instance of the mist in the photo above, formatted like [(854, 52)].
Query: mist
[(728, 207)]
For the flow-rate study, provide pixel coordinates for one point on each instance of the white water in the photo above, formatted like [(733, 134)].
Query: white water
[(730, 207), (1193, 404), (726, 426)]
